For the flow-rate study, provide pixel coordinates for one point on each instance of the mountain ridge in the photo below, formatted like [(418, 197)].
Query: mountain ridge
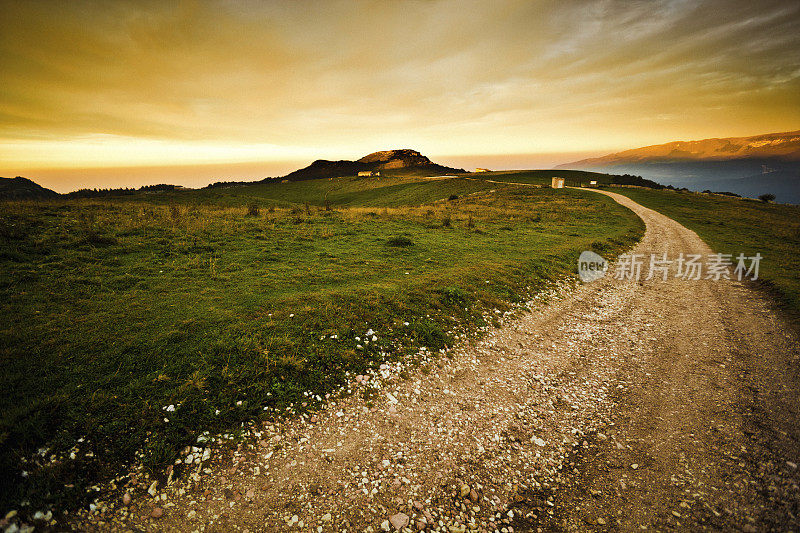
[(783, 145), (749, 166)]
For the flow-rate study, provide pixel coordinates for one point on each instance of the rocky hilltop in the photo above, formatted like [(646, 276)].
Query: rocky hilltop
[(393, 162), (404, 158)]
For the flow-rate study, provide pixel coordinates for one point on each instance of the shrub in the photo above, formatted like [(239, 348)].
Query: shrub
[(454, 296), (175, 213), (446, 221), (452, 197), (400, 240), (429, 334), (253, 210), (766, 198)]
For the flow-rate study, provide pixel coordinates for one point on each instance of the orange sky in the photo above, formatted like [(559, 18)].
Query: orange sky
[(124, 84)]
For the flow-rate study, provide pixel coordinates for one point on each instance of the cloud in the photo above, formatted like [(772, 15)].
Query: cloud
[(444, 76)]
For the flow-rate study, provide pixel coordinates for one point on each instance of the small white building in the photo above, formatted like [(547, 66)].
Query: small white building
[(366, 173), (557, 183), (593, 183)]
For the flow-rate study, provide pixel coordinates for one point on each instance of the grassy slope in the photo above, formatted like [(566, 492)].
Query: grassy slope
[(113, 309), (544, 177), (735, 226), (348, 191)]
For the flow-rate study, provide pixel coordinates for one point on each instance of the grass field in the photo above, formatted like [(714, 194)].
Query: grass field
[(227, 301), (574, 178), (345, 191), (731, 225)]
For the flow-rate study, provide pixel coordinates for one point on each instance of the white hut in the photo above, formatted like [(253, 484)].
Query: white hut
[(557, 183)]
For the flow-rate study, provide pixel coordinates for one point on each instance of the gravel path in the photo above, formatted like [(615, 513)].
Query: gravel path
[(621, 405)]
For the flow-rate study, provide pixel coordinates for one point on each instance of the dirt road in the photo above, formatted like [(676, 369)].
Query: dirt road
[(621, 405)]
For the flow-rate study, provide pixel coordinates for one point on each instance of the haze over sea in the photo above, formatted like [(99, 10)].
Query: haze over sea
[(70, 179)]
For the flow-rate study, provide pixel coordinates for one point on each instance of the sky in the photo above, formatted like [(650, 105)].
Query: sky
[(122, 93)]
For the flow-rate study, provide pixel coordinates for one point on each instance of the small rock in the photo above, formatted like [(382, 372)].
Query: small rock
[(601, 521), (418, 505), (39, 515), (473, 495), (326, 517), (399, 520), (385, 525), (465, 490), (126, 499), (421, 525), (152, 490), (157, 512), (634, 466)]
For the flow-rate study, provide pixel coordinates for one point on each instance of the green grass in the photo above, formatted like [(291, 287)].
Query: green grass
[(543, 177), (346, 191), (113, 309), (730, 225)]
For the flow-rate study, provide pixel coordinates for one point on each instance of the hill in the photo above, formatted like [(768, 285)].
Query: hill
[(390, 162), (254, 297), (772, 145), (20, 188), (749, 166), (573, 178)]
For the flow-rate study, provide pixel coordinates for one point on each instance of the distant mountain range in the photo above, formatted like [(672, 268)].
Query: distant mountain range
[(748, 166), (20, 188), (390, 162)]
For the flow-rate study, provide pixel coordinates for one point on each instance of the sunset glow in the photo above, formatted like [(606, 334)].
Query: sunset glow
[(107, 84)]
